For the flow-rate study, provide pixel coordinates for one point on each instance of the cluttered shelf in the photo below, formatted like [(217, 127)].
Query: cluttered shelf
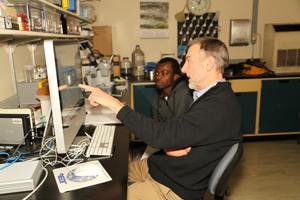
[(41, 19), (43, 4), (64, 11)]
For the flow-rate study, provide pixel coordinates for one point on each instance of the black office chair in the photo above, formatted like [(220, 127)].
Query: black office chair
[(217, 185)]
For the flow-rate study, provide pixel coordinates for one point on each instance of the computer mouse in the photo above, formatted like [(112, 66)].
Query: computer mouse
[(84, 172)]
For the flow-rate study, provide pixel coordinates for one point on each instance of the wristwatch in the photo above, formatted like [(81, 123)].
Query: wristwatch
[(198, 7)]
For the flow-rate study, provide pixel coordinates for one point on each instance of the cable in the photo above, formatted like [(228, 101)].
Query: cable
[(49, 156), (90, 137), (10, 163), (3, 153), (17, 148), (78, 150), (26, 135), (37, 187)]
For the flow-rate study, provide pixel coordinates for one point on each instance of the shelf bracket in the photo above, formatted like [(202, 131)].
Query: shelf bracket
[(10, 50), (32, 49)]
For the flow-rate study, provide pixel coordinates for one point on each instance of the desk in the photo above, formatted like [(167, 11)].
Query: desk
[(117, 168)]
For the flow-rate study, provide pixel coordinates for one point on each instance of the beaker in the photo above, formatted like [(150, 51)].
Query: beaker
[(28, 72)]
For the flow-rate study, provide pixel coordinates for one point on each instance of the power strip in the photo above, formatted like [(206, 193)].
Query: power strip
[(20, 176)]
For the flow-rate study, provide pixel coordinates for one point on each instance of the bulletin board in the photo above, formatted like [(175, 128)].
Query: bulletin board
[(195, 26)]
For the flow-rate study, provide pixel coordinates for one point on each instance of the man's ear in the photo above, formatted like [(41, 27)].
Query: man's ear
[(175, 77), (210, 65)]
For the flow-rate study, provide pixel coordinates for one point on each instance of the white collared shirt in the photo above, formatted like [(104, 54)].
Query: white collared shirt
[(199, 93)]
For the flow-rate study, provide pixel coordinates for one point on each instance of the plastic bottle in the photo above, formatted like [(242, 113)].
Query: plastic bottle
[(138, 61)]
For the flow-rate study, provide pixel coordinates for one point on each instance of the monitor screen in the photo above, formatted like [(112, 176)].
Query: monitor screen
[(67, 99)]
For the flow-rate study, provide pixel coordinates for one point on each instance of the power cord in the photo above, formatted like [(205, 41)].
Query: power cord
[(26, 135), (39, 185)]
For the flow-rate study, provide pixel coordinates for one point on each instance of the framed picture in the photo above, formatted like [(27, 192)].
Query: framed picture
[(154, 18), (240, 32)]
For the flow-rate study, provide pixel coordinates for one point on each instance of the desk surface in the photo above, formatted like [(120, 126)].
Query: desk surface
[(117, 168)]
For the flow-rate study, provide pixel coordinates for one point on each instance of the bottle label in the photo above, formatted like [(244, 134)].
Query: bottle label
[(139, 60), (139, 70)]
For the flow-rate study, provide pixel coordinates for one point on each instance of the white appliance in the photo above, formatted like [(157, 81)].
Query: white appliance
[(282, 47), (20, 176)]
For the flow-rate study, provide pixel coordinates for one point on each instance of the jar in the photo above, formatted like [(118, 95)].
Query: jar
[(104, 71), (28, 72), (126, 68), (116, 68)]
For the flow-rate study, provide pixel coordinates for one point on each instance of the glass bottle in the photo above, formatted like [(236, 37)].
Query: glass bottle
[(116, 68), (138, 61), (104, 71), (126, 68)]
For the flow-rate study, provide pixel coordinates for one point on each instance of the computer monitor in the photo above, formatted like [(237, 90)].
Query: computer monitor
[(67, 99)]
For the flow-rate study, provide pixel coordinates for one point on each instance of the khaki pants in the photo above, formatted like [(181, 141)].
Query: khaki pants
[(144, 187)]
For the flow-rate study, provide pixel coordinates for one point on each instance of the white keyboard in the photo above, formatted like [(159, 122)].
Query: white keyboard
[(102, 141)]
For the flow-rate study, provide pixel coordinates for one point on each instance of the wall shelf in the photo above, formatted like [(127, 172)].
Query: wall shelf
[(44, 3), (7, 35), (16, 34)]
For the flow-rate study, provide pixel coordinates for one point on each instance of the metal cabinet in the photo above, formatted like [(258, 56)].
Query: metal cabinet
[(280, 106), (248, 102)]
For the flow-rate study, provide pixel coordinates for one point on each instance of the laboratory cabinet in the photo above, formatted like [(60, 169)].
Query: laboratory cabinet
[(270, 106), (248, 103), (142, 94), (280, 106), (247, 92)]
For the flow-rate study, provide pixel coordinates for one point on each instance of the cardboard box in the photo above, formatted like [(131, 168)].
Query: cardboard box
[(102, 40)]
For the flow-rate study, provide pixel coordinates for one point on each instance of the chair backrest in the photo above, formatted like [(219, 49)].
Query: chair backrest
[(218, 181)]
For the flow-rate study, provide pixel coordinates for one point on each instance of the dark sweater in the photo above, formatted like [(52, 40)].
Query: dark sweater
[(210, 127), (178, 102)]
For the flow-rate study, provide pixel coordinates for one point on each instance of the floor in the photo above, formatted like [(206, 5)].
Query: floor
[(269, 170)]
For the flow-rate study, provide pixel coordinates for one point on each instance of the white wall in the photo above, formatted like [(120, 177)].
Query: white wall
[(6, 75), (123, 16), (21, 56), (276, 12)]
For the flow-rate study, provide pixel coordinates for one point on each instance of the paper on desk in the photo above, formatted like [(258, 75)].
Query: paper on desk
[(64, 184), (100, 115)]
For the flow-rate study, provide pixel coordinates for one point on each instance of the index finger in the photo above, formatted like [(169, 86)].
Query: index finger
[(86, 87)]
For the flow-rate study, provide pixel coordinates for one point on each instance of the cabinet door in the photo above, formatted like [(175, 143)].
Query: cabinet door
[(142, 98), (248, 103), (280, 106)]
